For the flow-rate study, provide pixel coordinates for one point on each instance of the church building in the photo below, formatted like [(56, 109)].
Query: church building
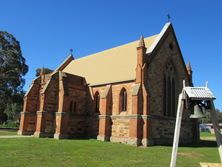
[(126, 94)]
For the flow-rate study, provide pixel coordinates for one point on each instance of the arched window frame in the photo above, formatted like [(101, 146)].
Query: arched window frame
[(169, 91), (97, 102), (73, 106), (123, 100)]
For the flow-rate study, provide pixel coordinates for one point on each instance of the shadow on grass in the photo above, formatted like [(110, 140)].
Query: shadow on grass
[(9, 129), (201, 143)]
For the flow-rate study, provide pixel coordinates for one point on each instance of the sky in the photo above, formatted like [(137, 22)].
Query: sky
[(47, 29)]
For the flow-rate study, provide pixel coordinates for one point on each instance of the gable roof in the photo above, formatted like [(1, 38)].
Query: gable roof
[(157, 40), (109, 66)]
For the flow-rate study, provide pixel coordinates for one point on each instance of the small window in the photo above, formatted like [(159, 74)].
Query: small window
[(123, 100), (171, 46), (74, 107), (97, 102), (71, 106)]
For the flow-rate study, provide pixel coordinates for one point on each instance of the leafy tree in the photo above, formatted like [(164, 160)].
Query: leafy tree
[(207, 118), (45, 71), (12, 110), (12, 69), (219, 114)]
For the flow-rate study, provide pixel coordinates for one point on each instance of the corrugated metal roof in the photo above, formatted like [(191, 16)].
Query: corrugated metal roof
[(199, 93), (110, 66)]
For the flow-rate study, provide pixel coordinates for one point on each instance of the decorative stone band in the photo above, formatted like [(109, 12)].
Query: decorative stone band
[(146, 117), (28, 113), (60, 113), (41, 112), (137, 116), (161, 117), (134, 116), (104, 116)]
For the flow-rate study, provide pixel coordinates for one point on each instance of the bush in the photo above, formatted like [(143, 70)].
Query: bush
[(12, 110), (10, 124)]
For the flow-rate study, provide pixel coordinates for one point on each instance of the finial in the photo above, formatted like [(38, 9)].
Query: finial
[(42, 70), (71, 53), (189, 65), (189, 68), (206, 84), (141, 41), (42, 75), (168, 17)]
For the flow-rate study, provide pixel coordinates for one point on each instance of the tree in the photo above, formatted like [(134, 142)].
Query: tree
[(207, 118), (219, 114), (45, 71), (12, 69), (12, 110)]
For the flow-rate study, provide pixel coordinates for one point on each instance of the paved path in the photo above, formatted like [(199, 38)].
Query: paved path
[(12, 136), (210, 164)]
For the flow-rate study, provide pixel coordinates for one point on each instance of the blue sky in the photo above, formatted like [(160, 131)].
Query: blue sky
[(47, 29)]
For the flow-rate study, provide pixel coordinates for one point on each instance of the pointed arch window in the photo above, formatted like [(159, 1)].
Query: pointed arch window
[(97, 102), (123, 100), (173, 98), (169, 91), (72, 106)]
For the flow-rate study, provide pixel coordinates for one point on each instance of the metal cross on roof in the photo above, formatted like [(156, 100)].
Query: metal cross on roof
[(168, 17), (71, 51)]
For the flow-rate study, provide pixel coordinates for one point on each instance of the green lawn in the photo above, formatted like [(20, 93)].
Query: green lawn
[(7, 132), (81, 153), (207, 136)]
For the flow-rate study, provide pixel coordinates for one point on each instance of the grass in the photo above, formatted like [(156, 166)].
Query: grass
[(7, 132), (10, 124), (92, 153), (207, 136)]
